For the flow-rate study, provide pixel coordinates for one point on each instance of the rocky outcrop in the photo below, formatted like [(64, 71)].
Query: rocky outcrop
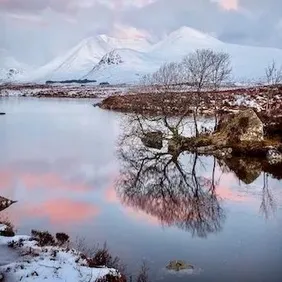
[(241, 127)]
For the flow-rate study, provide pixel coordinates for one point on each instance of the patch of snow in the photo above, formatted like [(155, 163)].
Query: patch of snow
[(54, 264)]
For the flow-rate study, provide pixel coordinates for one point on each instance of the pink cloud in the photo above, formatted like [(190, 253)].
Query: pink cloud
[(229, 4)]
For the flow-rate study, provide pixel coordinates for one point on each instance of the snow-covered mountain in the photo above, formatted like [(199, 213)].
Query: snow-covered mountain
[(123, 66), (119, 60), (77, 62)]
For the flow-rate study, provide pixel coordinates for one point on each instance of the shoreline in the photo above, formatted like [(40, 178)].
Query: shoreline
[(39, 258)]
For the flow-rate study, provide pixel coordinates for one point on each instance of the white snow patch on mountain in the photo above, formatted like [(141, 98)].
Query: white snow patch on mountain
[(123, 66)]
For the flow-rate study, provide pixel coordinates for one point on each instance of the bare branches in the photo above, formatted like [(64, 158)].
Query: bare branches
[(273, 75), (167, 76)]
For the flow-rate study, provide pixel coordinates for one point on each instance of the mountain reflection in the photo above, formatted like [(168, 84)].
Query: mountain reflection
[(170, 190)]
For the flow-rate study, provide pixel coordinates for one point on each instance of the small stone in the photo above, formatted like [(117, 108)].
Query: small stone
[(178, 265)]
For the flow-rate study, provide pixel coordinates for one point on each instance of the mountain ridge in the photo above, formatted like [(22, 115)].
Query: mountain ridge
[(138, 56)]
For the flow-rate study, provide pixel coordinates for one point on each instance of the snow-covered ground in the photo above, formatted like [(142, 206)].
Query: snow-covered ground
[(52, 264)]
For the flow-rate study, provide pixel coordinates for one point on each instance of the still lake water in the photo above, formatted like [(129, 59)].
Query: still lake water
[(61, 160)]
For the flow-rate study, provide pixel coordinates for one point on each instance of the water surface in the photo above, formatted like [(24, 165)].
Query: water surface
[(61, 160)]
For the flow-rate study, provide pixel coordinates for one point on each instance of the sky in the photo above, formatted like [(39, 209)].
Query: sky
[(35, 31)]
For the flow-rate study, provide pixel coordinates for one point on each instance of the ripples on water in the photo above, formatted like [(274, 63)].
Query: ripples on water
[(62, 161)]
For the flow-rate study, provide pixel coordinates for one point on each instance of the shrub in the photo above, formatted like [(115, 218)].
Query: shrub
[(104, 258), (112, 278), (44, 238), (143, 273), (9, 230), (62, 238)]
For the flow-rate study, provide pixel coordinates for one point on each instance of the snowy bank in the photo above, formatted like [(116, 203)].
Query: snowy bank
[(49, 263)]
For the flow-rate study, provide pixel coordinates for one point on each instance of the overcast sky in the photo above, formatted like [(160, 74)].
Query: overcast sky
[(35, 31)]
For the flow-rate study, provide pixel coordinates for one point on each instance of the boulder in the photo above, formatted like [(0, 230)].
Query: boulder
[(242, 126), (178, 265), (153, 139)]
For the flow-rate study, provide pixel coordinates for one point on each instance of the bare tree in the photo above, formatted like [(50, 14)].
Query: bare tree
[(273, 77), (221, 71), (202, 69), (205, 68), (165, 78)]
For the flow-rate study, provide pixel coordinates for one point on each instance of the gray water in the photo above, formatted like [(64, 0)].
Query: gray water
[(60, 159)]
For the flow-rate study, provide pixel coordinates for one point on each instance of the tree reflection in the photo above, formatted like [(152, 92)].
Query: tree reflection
[(268, 204), (169, 188)]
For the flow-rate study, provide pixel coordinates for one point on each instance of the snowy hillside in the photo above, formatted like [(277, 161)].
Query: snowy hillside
[(123, 66), (81, 59), (119, 60)]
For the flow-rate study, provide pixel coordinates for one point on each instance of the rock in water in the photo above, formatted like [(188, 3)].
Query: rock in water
[(153, 139), (178, 265), (243, 126), (1, 114)]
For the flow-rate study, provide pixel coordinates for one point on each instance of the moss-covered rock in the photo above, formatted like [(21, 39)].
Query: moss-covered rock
[(240, 127)]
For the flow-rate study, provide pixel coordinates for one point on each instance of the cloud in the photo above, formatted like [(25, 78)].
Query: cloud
[(254, 22), (229, 4), (25, 18)]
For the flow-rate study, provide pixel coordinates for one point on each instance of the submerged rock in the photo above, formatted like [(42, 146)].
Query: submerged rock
[(153, 139), (178, 265)]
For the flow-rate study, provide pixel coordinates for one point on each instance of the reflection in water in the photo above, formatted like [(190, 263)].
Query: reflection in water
[(162, 186), (268, 204), (172, 188), (64, 211), (248, 170)]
